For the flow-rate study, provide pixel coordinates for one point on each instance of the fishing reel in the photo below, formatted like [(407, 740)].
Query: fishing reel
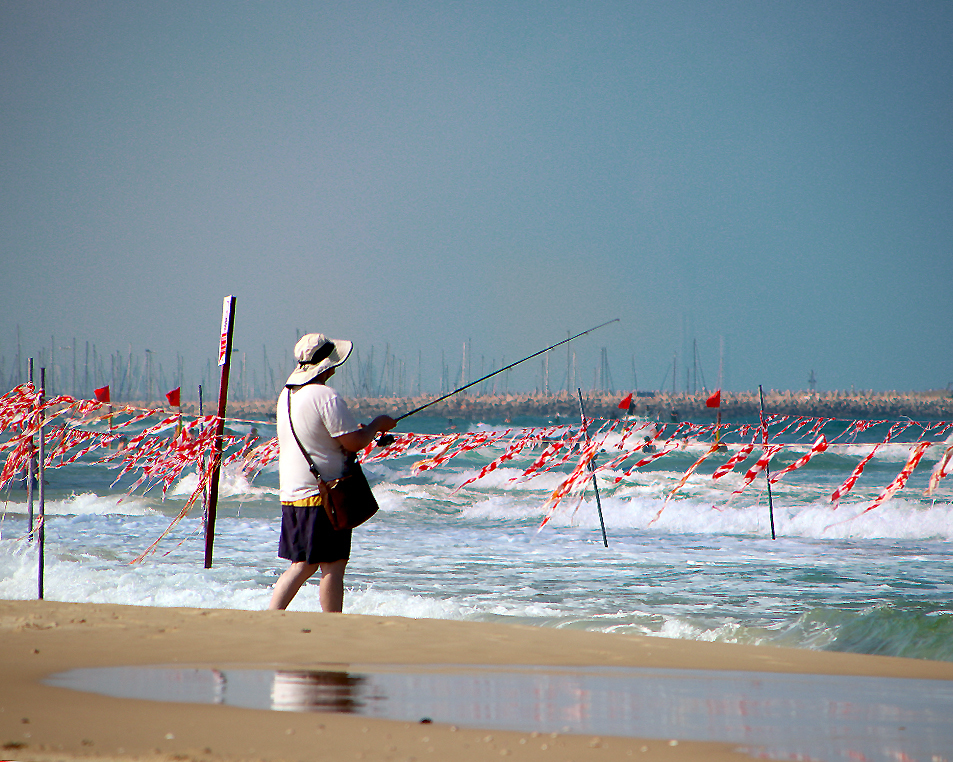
[(385, 440)]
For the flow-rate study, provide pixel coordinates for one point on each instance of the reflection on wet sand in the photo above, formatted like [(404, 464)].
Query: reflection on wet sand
[(777, 715), (316, 691)]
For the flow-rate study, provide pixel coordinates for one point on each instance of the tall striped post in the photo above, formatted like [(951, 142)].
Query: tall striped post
[(224, 359)]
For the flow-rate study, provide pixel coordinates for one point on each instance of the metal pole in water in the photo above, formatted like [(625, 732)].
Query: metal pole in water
[(767, 468), (30, 469), (41, 531), (202, 466), (592, 469)]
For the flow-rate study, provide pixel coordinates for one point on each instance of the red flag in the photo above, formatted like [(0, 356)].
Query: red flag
[(627, 402), (714, 400), (173, 396), (102, 395)]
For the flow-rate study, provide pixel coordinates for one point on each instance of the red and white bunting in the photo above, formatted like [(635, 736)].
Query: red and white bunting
[(457, 444), (669, 447), (546, 456), (401, 445), (579, 474), (514, 448), (767, 452), (796, 424), (855, 428), (711, 451), (897, 484), (159, 457), (634, 428), (849, 482), (819, 446), (259, 457), (21, 448), (733, 461), (940, 470), (691, 470), (17, 403), (547, 461), (441, 457)]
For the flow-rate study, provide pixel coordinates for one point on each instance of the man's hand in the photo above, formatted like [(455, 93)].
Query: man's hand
[(355, 441), (383, 423)]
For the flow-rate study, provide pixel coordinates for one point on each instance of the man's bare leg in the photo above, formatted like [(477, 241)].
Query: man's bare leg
[(291, 581), (332, 585)]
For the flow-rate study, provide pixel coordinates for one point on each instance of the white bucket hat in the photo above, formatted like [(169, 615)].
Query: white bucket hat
[(315, 354)]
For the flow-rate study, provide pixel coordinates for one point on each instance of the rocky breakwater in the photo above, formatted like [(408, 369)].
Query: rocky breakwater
[(865, 406), (931, 405)]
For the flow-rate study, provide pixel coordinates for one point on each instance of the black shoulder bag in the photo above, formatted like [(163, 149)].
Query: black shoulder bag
[(348, 501)]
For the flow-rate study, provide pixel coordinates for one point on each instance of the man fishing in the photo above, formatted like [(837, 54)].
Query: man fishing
[(327, 430)]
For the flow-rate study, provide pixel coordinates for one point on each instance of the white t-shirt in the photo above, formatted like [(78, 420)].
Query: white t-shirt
[(319, 415)]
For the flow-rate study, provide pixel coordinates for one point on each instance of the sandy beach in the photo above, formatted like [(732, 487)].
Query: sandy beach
[(40, 638)]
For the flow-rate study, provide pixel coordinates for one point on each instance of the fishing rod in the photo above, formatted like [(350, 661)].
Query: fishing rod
[(497, 372)]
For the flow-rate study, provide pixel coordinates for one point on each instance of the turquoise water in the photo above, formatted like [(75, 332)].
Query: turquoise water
[(878, 582)]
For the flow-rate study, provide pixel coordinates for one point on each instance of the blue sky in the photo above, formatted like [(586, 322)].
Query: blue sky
[(773, 178)]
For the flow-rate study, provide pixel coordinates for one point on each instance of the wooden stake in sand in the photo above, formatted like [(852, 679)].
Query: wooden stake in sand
[(224, 359)]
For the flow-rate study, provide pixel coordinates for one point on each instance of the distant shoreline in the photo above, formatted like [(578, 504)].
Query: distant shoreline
[(932, 405)]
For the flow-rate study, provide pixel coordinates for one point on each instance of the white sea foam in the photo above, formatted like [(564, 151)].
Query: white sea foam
[(889, 453), (89, 504), (502, 508), (232, 483), (509, 479), (96, 579), (895, 519), (376, 602)]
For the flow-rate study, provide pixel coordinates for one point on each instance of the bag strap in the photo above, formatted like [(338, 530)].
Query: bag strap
[(313, 468)]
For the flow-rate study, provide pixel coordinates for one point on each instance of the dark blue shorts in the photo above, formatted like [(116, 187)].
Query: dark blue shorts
[(306, 535)]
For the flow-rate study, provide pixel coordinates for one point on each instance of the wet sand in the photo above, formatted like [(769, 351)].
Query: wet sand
[(40, 638)]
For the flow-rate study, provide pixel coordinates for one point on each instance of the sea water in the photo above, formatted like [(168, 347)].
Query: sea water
[(878, 582)]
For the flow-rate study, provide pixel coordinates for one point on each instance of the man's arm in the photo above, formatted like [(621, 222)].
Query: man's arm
[(354, 441)]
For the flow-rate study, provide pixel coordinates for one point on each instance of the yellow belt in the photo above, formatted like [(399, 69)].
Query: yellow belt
[(306, 502)]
